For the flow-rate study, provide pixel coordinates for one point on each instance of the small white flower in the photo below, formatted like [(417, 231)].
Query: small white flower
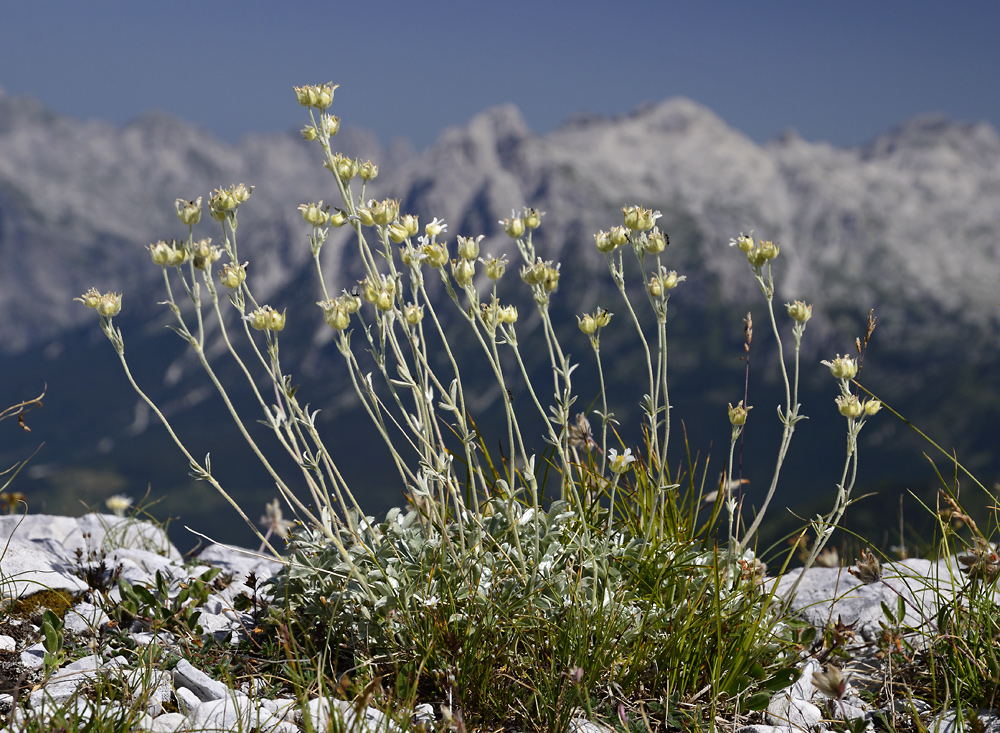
[(620, 463), (435, 228)]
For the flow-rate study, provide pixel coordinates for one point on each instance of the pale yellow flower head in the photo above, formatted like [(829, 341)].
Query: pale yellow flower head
[(850, 406), (266, 318), (319, 96), (232, 275), (110, 305), (189, 212), (315, 214), (843, 367), (513, 226), (603, 241), (744, 242), (799, 311), (368, 171), (738, 414)]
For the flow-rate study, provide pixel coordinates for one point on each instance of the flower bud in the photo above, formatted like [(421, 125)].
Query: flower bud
[(368, 171), (603, 241), (435, 228), (656, 242), (631, 215), (869, 568), (161, 252), (602, 317), (490, 313), (223, 202), (463, 271), (468, 247), (639, 219), (587, 324), (91, 298), (319, 96), (204, 254), (756, 258), (383, 300), (339, 218), (743, 242), (437, 255), (365, 216), (849, 406), (351, 302), (411, 256), (335, 314), (369, 290), (843, 367), (110, 305), (344, 168), (738, 414), (277, 320), (413, 313), (309, 133), (179, 255), (532, 218), (329, 124), (232, 275), (385, 211), (799, 311), (397, 233), (410, 223), (619, 236), (304, 95), (315, 214), (872, 406), (513, 226), (507, 314), (495, 268), (189, 212), (670, 279), (655, 287), (768, 250), (266, 318), (550, 279), (533, 274)]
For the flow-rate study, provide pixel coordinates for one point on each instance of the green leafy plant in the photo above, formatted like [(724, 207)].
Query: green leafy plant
[(159, 609), (52, 640), (515, 586)]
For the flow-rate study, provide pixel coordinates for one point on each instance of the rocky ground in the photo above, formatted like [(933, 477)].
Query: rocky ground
[(65, 565)]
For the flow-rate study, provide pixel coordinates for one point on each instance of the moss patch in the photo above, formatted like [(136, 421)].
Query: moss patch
[(32, 607)]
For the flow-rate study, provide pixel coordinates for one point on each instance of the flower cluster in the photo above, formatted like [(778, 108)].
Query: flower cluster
[(172, 253), (638, 219), (224, 202), (266, 318), (337, 311), (590, 322), (107, 305), (759, 253), (319, 96), (843, 367)]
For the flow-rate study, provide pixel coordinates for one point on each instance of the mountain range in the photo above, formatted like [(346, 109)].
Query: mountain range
[(907, 225)]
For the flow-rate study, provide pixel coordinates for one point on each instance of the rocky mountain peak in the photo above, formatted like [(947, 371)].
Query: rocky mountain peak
[(936, 137)]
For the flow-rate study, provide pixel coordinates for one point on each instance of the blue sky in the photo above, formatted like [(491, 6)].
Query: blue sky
[(836, 71)]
